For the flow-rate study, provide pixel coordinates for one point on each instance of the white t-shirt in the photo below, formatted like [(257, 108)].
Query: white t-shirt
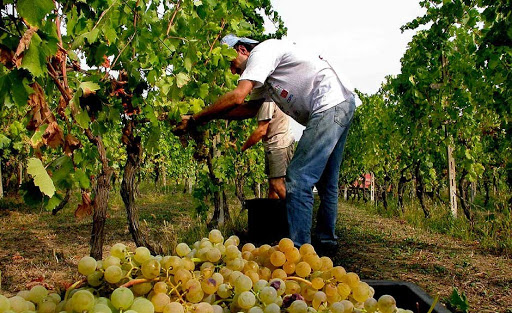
[(300, 83)]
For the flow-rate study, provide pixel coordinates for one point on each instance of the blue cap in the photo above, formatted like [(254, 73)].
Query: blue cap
[(231, 40)]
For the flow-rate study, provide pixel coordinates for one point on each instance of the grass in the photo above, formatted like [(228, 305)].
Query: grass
[(493, 230)]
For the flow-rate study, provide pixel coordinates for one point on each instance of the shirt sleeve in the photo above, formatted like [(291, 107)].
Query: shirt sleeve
[(262, 62), (266, 111)]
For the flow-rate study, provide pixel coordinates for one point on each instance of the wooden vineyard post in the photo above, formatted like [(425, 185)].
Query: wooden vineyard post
[(451, 178), (372, 187)]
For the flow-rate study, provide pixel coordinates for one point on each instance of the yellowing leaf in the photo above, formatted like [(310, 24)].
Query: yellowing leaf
[(182, 79), (41, 178)]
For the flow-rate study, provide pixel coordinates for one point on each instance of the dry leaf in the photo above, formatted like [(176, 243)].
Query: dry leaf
[(71, 143), (6, 56), (53, 135), (84, 209), (23, 45), (41, 114)]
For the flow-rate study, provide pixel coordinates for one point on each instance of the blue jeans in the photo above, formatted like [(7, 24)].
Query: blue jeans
[(317, 160)]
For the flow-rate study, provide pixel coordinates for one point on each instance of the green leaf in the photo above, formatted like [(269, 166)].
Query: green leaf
[(82, 179), (196, 105), (92, 35), (41, 178), (83, 119), (182, 79), (34, 59), (38, 135), (203, 90), (4, 141), (34, 11), (459, 301), (88, 87)]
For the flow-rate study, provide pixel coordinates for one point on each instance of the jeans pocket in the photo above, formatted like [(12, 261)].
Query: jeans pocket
[(344, 113)]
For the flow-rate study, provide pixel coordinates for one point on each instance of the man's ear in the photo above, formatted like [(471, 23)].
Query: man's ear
[(243, 50)]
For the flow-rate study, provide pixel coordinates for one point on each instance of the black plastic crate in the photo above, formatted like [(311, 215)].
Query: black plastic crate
[(267, 220), (407, 295)]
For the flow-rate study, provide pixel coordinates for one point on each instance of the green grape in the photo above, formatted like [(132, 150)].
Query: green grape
[(255, 309), (46, 307), (37, 293), (18, 304), (272, 308), (95, 279), (86, 265), (173, 264), (298, 306), (141, 254), (142, 289), (101, 308), (24, 294), (236, 264), (213, 255), (232, 252), (224, 291), (118, 250), (160, 287), (257, 286), (243, 283), (209, 286), (246, 300), (203, 307), (268, 295), (194, 291), (182, 276), (130, 311), (349, 306), (337, 307), (150, 269), (4, 304), (31, 306), (216, 309), (122, 298), (386, 304), (142, 305), (82, 300), (235, 239), (55, 297), (215, 236), (113, 274), (318, 299), (111, 260), (174, 307), (278, 284), (160, 300), (371, 305), (182, 249), (361, 291)]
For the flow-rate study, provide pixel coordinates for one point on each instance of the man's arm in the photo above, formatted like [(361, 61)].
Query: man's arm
[(226, 102), (256, 135), (247, 110)]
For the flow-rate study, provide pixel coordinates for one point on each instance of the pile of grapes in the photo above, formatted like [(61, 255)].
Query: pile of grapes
[(212, 276)]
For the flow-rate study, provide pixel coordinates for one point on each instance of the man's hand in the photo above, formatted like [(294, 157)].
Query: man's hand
[(186, 125)]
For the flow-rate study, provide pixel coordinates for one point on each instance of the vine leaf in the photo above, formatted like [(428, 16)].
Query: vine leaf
[(41, 178), (34, 11), (85, 208)]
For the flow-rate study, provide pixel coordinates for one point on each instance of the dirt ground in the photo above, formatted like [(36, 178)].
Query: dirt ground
[(390, 249), (37, 247)]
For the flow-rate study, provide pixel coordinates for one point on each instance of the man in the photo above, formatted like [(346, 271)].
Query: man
[(278, 142), (305, 87)]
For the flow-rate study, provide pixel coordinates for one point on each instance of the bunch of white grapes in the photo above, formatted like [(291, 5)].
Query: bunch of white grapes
[(211, 276)]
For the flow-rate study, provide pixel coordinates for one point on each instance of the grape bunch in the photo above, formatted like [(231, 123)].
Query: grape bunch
[(211, 276)]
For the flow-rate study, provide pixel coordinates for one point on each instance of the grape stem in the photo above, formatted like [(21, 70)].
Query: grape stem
[(175, 288), (76, 284), (138, 281), (299, 279)]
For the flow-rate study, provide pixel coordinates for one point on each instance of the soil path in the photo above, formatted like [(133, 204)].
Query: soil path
[(390, 249)]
